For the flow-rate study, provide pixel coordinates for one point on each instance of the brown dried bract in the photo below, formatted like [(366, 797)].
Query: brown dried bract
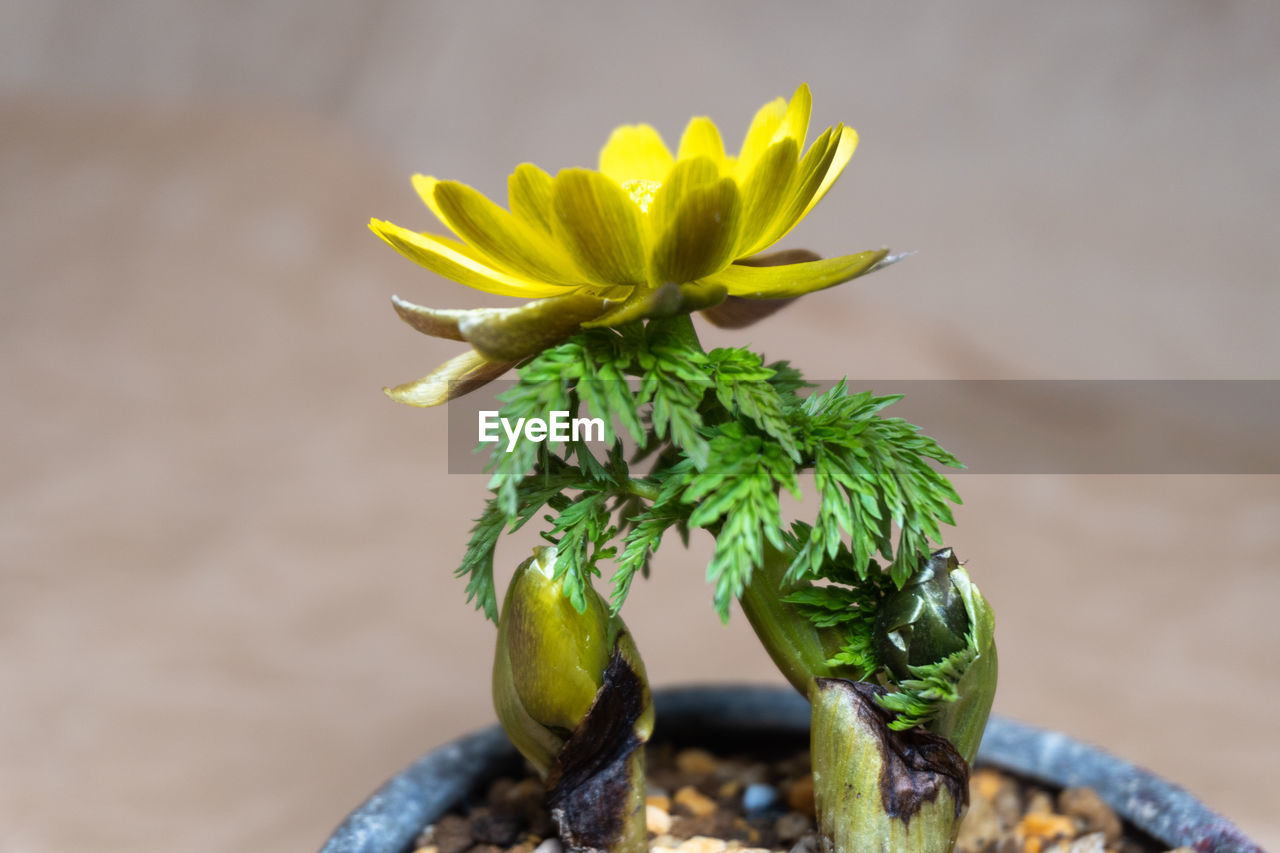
[(917, 763), (589, 784)]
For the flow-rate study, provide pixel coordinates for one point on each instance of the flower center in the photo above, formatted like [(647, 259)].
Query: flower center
[(642, 192)]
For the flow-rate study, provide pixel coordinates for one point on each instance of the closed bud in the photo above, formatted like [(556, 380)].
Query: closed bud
[(570, 690), (924, 621), (558, 655)]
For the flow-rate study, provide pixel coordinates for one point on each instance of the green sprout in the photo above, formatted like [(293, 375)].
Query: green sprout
[(860, 607), (570, 690)]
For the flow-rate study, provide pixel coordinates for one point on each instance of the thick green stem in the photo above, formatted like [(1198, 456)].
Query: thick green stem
[(877, 789), (798, 648), (681, 329)]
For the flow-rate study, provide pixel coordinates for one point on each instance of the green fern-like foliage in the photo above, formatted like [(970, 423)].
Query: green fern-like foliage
[(920, 698), (715, 438)]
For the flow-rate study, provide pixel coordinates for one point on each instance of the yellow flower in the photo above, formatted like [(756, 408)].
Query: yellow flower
[(647, 235)]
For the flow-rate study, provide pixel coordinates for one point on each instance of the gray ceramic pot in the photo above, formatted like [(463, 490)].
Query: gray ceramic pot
[(721, 716)]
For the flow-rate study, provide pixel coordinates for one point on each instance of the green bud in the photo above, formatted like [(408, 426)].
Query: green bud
[(924, 621), (570, 691), (535, 741), (558, 655), (936, 637), (876, 788)]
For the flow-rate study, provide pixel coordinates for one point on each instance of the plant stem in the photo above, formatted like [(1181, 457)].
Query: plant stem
[(877, 789), (798, 648), (681, 329), (641, 489)]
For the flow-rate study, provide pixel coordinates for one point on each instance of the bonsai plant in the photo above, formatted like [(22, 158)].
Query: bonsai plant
[(861, 606)]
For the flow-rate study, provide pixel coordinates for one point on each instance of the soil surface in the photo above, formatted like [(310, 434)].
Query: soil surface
[(699, 802)]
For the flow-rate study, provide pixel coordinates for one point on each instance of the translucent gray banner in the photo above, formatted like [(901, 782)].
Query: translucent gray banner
[(1129, 426)]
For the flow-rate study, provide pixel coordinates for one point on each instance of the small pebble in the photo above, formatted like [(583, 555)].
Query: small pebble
[(981, 825), (657, 820), (660, 801), (1085, 805), (499, 789), (1039, 802), (729, 790), (985, 783), (740, 830), (450, 834), (702, 844), (800, 796), (694, 802), (807, 844), (490, 828), (1094, 842), (696, 762), (1037, 828), (521, 795), (1007, 803), (791, 826), (551, 845), (758, 799), (710, 825)]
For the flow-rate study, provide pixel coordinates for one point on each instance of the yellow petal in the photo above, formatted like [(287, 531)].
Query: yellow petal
[(808, 177), (796, 122), (844, 150), (764, 192), (510, 334), (701, 139), (439, 256), (436, 322), (459, 375), (504, 240), (766, 122), (635, 152), (425, 186), (600, 227), (778, 282), (737, 312), (702, 237), (529, 196), (683, 178)]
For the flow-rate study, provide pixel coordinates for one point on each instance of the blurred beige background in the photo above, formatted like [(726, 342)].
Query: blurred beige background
[(226, 603)]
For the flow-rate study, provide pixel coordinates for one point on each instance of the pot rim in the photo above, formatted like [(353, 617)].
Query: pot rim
[(389, 820)]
